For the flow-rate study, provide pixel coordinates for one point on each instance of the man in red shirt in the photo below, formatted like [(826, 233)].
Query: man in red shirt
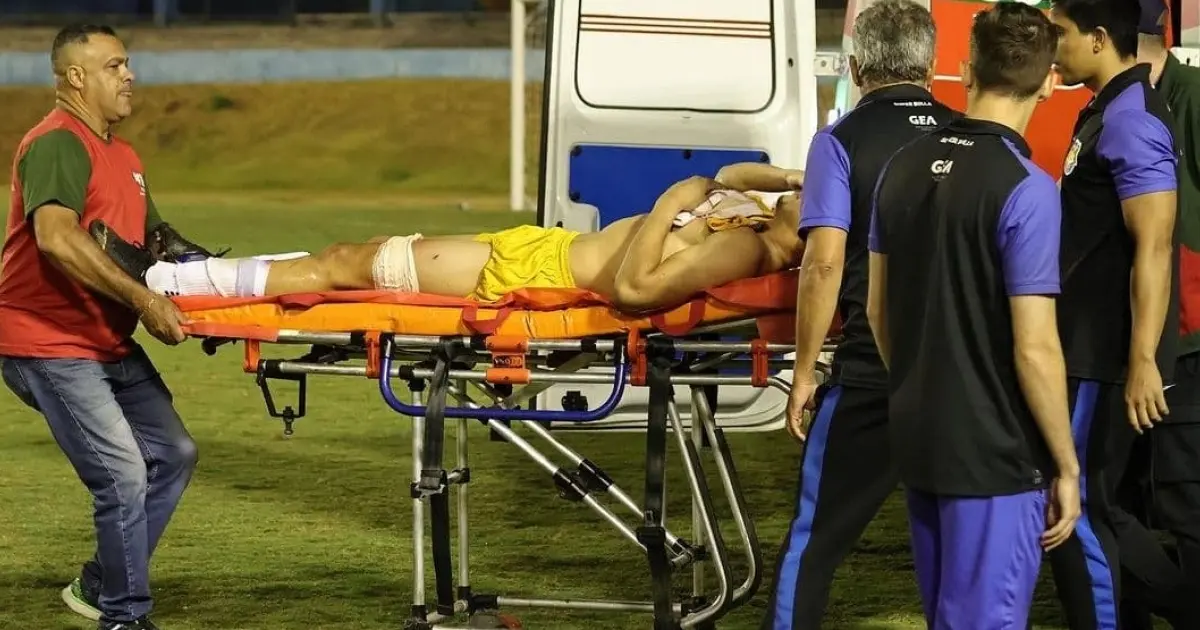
[(68, 314)]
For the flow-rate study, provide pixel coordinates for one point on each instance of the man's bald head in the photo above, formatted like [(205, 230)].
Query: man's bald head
[(65, 43)]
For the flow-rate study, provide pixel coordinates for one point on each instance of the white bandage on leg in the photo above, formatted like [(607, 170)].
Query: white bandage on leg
[(203, 277), (395, 268), (226, 277), (251, 276)]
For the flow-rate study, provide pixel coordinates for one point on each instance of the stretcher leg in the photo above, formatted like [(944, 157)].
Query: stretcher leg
[(464, 572), (727, 472), (418, 524), (651, 533), (683, 553), (698, 613), (698, 438), (568, 486), (578, 480), (703, 426), (699, 486), (708, 519), (591, 477), (508, 435)]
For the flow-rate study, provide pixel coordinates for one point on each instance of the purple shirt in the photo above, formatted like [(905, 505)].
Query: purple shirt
[(1028, 236), (1137, 146), (826, 184)]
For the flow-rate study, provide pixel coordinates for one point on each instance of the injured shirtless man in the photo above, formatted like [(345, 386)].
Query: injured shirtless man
[(654, 260)]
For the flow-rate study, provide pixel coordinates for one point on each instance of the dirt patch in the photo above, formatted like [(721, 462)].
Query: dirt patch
[(387, 137)]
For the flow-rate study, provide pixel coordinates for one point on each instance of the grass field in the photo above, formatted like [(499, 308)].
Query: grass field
[(313, 531), (359, 138)]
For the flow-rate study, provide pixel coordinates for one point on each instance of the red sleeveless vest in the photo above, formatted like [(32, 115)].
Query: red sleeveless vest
[(43, 312)]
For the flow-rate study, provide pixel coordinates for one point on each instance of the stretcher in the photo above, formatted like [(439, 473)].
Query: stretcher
[(451, 352)]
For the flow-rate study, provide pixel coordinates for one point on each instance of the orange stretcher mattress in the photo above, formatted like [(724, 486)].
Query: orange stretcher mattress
[(530, 313)]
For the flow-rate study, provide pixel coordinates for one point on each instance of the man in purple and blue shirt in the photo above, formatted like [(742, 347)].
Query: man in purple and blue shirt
[(964, 270), (847, 470), (1119, 309)]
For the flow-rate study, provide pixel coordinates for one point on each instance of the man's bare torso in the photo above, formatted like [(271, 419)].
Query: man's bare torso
[(596, 256), (450, 265)]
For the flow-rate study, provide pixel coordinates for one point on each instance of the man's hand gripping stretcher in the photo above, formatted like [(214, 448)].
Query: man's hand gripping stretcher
[(700, 234)]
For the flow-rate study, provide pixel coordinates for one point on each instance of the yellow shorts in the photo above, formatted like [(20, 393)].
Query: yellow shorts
[(525, 256)]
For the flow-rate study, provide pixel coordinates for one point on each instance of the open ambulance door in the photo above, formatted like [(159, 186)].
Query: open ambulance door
[(639, 95)]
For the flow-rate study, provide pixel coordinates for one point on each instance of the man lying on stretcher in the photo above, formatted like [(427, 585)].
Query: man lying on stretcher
[(700, 234)]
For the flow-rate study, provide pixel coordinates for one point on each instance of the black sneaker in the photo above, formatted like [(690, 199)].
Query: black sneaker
[(142, 623), (167, 245), (134, 260)]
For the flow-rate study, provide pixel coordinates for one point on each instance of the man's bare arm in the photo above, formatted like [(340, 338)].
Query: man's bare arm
[(816, 297), (60, 237), (1151, 221), (761, 177), (877, 306), (645, 281), (824, 224), (1139, 152), (1042, 373), (645, 250), (722, 258)]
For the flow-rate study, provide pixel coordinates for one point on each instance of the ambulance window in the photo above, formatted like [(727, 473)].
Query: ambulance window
[(700, 55)]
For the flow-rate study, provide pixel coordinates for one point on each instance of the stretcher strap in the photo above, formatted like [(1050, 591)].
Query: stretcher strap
[(652, 533), (435, 424), (434, 480), (470, 318), (695, 315)]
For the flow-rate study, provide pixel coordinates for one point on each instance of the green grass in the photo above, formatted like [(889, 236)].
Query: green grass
[(314, 531), (413, 136)]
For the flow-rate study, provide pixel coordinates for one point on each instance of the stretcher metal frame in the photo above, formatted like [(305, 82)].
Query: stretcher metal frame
[(438, 369)]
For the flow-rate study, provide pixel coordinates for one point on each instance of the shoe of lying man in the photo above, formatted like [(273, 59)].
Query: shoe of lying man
[(166, 244), (132, 259)]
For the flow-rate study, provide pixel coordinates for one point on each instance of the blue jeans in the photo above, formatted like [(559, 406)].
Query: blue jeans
[(117, 425)]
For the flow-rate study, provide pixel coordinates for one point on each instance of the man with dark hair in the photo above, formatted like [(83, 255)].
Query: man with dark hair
[(1119, 310), (69, 312), (847, 471), (964, 272), (1162, 484)]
